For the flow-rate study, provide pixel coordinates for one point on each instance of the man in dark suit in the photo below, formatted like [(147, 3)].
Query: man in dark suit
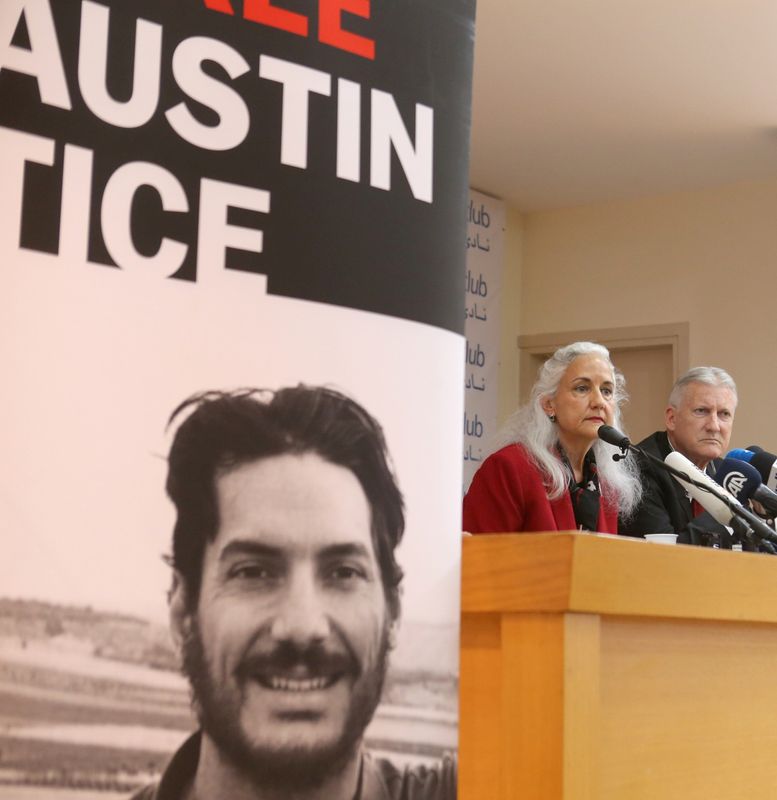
[(699, 418)]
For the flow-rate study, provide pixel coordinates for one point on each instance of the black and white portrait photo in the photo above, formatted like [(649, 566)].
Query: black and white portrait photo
[(272, 608), (286, 598)]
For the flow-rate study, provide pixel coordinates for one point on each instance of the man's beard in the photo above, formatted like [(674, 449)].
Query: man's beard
[(291, 767)]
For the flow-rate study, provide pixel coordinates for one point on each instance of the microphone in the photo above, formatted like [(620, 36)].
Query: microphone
[(709, 497), (613, 436), (724, 508), (743, 482), (618, 439), (766, 464), (713, 498), (740, 454)]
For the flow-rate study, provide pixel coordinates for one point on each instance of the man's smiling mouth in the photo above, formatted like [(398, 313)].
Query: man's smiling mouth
[(281, 684), (296, 673)]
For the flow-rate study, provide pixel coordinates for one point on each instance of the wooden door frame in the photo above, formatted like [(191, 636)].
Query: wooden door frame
[(637, 337)]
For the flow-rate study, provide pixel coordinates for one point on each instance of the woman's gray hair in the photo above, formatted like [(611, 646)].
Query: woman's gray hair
[(710, 376), (530, 426)]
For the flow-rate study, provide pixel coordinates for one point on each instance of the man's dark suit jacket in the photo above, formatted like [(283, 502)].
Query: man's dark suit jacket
[(665, 506)]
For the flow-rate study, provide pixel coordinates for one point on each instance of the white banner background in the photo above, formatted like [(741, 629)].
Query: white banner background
[(485, 247)]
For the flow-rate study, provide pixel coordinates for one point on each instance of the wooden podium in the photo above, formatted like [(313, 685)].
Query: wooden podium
[(607, 668)]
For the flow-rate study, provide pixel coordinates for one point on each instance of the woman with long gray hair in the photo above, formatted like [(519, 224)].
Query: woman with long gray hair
[(554, 473)]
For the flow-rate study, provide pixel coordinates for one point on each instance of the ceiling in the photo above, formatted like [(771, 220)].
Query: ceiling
[(581, 101)]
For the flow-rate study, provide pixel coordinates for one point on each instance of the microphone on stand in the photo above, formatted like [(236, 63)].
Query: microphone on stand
[(707, 492), (741, 454), (712, 497), (762, 460), (766, 464), (725, 508), (616, 438), (742, 480)]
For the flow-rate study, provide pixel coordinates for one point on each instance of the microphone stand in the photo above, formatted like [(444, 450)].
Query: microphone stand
[(747, 523)]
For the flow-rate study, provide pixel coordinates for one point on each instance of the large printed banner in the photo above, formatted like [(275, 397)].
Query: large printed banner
[(211, 196), (484, 266)]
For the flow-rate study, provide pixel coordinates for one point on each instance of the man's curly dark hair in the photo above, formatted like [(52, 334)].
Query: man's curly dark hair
[(225, 430)]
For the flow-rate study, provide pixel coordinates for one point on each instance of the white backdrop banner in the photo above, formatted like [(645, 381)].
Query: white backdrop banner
[(209, 195), (485, 248)]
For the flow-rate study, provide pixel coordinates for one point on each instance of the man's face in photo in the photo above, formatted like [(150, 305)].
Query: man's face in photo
[(287, 650)]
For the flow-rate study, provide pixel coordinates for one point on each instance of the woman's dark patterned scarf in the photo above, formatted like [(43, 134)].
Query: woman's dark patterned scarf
[(585, 495)]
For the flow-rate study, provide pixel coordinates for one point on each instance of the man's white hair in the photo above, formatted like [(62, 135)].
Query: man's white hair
[(710, 376)]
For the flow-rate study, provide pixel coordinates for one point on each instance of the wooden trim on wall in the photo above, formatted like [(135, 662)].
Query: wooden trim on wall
[(634, 337)]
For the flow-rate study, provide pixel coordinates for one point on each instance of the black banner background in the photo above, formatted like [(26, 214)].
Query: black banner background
[(322, 232)]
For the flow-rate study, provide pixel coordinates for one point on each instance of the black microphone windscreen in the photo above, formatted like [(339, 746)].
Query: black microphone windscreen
[(613, 436), (763, 462), (738, 478)]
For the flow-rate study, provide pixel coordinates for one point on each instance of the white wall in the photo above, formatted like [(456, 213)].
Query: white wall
[(707, 258), (511, 314)]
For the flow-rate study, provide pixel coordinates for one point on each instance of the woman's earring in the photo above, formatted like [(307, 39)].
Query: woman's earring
[(552, 417)]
